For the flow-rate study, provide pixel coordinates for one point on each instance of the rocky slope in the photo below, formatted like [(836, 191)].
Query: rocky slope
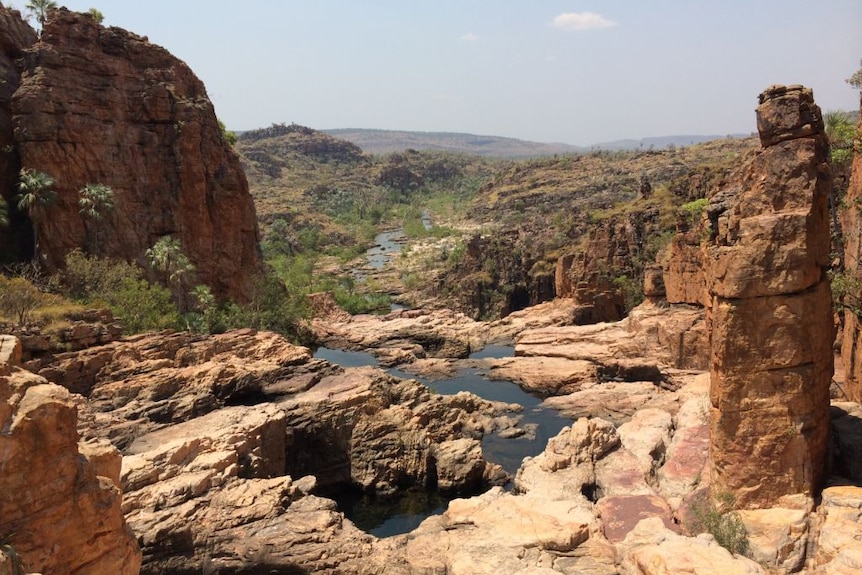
[(102, 105)]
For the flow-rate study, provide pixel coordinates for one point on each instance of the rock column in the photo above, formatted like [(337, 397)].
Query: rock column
[(770, 314)]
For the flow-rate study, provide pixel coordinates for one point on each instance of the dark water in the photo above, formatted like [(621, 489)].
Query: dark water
[(384, 518)]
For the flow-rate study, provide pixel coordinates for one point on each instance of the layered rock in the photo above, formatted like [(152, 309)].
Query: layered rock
[(851, 221), (771, 318), (15, 37), (102, 105), (614, 250), (59, 499)]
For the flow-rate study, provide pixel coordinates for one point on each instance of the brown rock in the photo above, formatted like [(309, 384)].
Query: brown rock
[(620, 514), (15, 37), (652, 549), (137, 119), (851, 222), (771, 318), (839, 549), (65, 518)]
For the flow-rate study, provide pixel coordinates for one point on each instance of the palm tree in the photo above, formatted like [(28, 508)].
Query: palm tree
[(166, 257), (35, 195), (94, 200), (40, 9), (4, 213)]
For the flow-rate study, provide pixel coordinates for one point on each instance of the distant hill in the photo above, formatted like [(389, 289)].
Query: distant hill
[(388, 141), (661, 142)]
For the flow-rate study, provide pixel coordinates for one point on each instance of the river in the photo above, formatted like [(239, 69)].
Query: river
[(387, 517)]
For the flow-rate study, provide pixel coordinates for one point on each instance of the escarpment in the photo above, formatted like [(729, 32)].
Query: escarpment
[(771, 317), (852, 225), (103, 105), (15, 37)]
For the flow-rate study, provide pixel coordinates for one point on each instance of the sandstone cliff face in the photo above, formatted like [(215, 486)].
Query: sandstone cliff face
[(102, 105), (59, 499), (852, 225), (613, 249), (771, 317), (15, 37)]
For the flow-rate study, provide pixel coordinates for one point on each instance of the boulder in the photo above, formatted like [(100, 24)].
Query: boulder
[(839, 549), (62, 514)]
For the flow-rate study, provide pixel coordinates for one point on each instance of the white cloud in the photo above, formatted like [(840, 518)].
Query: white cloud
[(582, 21), (470, 38)]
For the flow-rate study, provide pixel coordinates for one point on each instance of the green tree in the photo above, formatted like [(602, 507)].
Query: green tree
[(94, 200), (34, 197), (40, 9), (166, 257), (96, 14), (855, 80), (841, 133), (229, 135), (4, 213), (18, 298)]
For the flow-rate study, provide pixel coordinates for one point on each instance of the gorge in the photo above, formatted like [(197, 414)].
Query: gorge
[(715, 397)]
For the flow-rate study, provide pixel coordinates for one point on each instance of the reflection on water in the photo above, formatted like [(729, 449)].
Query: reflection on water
[(391, 517), (385, 517)]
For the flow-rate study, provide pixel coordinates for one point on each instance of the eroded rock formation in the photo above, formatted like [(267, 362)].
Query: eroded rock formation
[(15, 37), (59, 499), (102, 105), (771, 315), (851, 354)]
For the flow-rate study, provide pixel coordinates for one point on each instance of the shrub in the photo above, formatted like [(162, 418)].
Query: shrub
[(142, 306), (718, 519), (19, 298), (693, 210)]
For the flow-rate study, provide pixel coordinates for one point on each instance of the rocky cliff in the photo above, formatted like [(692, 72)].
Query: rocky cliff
[(102, 105), (771, 317), (59, 499), (15, 37), (852, 226)]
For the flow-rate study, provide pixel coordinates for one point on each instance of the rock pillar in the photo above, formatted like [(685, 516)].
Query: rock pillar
[(770, 314), (851, 221)]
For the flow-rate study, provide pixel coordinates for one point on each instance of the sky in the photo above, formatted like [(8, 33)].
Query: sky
[(565, 71)]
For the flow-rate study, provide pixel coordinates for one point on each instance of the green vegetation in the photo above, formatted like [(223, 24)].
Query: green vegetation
[(19, 298), (855, 80), (228, 135), (96, 14), (40, 10), (843, 137), (694, 210), (35, 195), (4, 213), (8, 549), (723, 523)]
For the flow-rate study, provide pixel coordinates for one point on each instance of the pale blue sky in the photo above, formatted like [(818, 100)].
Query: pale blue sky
[(546, 70)]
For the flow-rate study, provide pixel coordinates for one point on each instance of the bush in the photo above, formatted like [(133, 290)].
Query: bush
[(721, 522), (19, 298), (142, 306), (120, 286)]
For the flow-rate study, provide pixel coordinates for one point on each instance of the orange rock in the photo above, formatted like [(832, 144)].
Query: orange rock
[(102, 105), (770, 316)]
